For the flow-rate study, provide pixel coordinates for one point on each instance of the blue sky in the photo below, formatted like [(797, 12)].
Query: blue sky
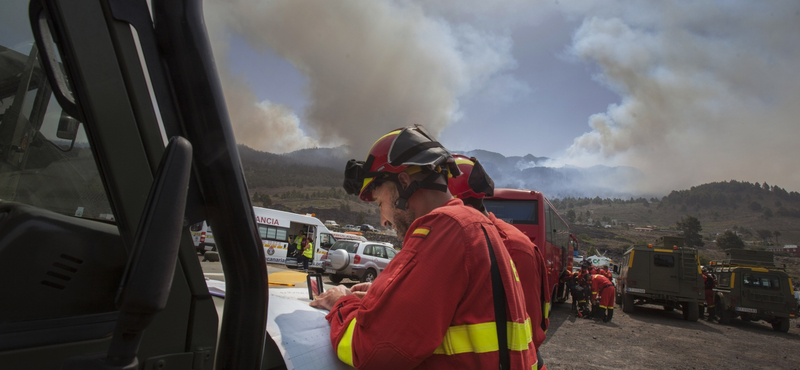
[(687, 93)]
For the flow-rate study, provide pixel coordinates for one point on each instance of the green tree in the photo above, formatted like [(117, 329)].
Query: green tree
[(592, 251), (571, 216), (777, 234), (767, 213), (729, 239), (691, 228), (266, 200), (754, 206), (764, 235)]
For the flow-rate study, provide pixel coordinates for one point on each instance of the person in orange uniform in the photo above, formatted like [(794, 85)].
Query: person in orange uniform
[(709, 283), (471, 187), (606, 272), (433, 306), (605, 289)]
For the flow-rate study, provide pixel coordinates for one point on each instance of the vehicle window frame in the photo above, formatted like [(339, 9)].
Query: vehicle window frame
[(661, 260)]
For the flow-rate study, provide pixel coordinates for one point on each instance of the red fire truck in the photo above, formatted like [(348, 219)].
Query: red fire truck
[(532, 213)]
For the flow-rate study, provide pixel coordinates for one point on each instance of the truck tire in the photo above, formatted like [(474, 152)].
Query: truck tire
[(691, 311), (336, 279), (722, 314), (627, 303), (781, 324)]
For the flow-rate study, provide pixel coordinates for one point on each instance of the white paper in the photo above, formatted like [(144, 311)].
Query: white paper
[(300, 331)]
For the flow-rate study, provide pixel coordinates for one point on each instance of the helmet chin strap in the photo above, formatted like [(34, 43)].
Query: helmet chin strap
[(427, 183)]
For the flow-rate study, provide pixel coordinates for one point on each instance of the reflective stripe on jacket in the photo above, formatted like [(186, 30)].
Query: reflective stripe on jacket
[(308, 252), (532, 274)]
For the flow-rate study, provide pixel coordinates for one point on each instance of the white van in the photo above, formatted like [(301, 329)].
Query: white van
[(278, 229), (202, 237)]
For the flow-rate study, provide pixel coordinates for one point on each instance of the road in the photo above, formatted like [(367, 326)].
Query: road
[(648, 338)]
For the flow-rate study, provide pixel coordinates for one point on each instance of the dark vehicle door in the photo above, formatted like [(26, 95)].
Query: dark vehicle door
[(664, 271), (96, 253)]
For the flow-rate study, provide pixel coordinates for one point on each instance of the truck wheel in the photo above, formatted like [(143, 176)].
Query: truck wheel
[(336, 279), (781, 324), (369, 276), (627, 303), (722, 314), (691, 311)]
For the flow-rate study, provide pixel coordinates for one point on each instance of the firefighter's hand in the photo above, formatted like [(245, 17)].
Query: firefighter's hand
[(327, 299), (360, 290)]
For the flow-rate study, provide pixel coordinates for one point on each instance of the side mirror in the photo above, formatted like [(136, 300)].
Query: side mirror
[(67, 127)]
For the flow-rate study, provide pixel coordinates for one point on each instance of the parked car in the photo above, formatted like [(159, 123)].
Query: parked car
[(203, 238), (367, 227), (331, 223), (357, 260)]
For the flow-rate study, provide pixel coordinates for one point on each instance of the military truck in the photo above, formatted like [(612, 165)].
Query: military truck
[(751, 287), (662, 273)]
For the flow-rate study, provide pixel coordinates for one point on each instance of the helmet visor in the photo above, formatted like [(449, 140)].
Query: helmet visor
[(415, 146)]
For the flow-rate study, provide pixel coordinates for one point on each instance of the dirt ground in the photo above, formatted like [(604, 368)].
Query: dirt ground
[(651, 338)]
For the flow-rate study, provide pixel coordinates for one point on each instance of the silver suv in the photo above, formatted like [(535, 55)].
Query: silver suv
[(356, 260)]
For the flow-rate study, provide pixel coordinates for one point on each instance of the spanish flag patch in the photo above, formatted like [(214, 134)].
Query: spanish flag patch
[(421, 232)]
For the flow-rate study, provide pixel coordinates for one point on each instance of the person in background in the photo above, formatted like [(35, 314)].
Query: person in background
[(709, 283), (471, 187), (450, 299), (603, 288)]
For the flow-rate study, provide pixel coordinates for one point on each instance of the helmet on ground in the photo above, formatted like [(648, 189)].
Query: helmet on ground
[(474, 182), (410, 149)]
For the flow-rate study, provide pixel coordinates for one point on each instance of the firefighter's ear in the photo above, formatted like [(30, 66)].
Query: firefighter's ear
[(404, 180)]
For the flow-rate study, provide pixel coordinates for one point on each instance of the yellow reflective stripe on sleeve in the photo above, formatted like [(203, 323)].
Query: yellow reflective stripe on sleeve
[(519, 335), (630, 261), (547, 310), (482, 338), (345, 348), (514, 267)]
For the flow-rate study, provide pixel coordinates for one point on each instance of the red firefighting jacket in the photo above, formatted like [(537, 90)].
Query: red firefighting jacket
[(532, 274), (432, 307), (601, 285)]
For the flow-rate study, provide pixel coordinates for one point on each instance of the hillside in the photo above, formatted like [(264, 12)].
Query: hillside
[(305, 182)]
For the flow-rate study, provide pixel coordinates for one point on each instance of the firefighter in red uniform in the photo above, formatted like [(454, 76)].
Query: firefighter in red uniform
[(434, 305), (471, 187), (603, 287), (709, 283), (606, 272)]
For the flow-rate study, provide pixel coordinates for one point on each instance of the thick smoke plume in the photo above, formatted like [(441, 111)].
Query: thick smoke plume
[(372, 66), (709, 91)]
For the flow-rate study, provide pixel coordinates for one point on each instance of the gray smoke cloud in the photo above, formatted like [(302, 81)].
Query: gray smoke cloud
[(709, 91), (371, 67)]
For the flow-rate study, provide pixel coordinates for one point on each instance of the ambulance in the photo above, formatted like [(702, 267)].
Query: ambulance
[(278, 229)]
